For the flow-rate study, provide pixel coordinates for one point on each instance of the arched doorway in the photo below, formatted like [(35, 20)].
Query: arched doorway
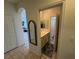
[(24, 26)]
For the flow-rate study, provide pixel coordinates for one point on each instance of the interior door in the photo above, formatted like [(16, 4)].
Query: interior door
[(9, 36), (9, 32), (54, 31)]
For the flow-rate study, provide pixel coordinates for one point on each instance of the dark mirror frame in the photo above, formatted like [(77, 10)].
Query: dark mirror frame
[(35, 32)]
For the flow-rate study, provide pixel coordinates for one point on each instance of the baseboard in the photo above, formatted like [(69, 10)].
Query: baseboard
[(10, 50), (14, 48)]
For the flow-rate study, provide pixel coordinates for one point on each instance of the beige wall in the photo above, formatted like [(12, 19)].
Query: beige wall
[(66, 37), (66, 43)]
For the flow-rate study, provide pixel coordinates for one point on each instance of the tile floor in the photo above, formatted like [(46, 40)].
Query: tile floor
[(24, 53)]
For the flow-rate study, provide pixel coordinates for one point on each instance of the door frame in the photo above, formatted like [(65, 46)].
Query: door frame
[(54, 4)]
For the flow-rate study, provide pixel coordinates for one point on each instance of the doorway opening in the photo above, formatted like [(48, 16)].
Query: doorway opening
[(24, 26), (50, 19)]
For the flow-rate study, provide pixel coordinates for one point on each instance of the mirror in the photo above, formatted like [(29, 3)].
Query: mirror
[(32, 32), (44, 24)]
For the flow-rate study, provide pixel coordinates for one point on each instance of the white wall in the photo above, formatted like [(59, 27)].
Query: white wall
[(9, 32), (12, 27)]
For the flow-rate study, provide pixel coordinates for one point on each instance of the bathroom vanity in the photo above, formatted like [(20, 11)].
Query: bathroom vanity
[(45, 33)]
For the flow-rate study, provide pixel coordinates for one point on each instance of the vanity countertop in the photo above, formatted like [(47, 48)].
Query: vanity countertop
[(44, 32)]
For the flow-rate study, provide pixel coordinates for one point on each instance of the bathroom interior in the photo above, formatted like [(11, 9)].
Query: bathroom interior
[(49, 24)]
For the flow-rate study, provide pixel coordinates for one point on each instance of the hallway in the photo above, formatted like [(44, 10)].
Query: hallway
[(24, 37)]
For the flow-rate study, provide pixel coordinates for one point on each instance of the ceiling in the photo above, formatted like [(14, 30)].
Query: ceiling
[(14, 1)]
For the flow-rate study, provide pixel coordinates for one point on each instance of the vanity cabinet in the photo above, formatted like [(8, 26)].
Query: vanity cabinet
[(45, 34)]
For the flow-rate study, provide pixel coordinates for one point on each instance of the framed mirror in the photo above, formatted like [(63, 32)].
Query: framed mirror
[(32, 32)]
